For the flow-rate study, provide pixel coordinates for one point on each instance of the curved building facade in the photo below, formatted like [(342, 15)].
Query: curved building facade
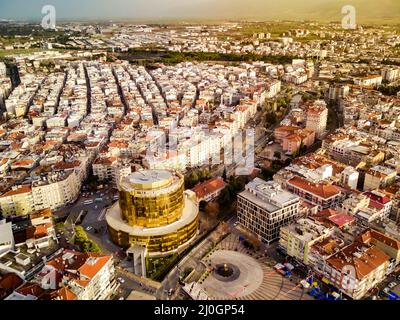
[(153, 211)]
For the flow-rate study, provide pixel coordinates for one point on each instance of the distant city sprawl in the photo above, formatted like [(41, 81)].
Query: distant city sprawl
[(229, 160)]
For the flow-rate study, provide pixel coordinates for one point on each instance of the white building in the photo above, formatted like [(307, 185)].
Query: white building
[(263, 208), (349, 177), (6, 236), (317, 117), (56, 190)]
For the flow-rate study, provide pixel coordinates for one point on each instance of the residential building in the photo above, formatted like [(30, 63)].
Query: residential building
[(317, 117), (325, 195), (297, 238), (209, 190), (356, 269)]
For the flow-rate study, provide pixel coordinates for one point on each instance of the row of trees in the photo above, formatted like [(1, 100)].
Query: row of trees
[(229, 193), (83, 242), (389, 90), (195, 177), (173, 57), (276, 165)]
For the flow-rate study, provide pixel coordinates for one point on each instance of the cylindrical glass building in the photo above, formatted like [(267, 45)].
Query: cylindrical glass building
[(153, 211)]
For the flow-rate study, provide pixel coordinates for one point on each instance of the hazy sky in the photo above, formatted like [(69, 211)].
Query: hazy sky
[(150, 9)]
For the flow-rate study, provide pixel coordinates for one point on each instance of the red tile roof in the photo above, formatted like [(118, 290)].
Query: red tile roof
[(322, 190), (368, 261), (208, 187), (341, 219), (19, 190), (380, 237)]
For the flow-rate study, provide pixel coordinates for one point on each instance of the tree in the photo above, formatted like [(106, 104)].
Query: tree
[(202, 204), (205, 175), (224, 174), (267, 173), (277, 155), (271, 118), (212, 210), (224, 198), (303, 148), (191, 180)]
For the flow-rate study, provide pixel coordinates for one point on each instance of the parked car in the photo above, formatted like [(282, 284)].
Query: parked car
[(386, 290), (392, 284), (305, 284)]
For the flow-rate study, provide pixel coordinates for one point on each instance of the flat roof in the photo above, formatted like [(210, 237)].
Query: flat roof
[(148, 179)]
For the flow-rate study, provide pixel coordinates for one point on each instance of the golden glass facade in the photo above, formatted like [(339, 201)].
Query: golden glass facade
[(151, 211), (159, 243), (154, 211)]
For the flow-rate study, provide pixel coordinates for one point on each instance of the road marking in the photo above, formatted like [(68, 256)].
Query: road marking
[(102, 214)]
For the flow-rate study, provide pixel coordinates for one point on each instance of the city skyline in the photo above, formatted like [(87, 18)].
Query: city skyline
[(157, 10)]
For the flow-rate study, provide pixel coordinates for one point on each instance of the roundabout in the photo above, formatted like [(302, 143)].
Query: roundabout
[(234, 275), (235, 272)]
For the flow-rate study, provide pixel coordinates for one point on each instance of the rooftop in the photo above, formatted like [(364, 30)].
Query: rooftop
[(322, 190), (268, 195)]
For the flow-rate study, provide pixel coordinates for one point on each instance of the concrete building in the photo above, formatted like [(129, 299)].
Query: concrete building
[(297, 238), (84, 276), (378, 177), (324, 195), (263, 208), (56, 190), (209, 190), (17, 201), (356, 269), (6, 236), (317, 116), (349, 177)]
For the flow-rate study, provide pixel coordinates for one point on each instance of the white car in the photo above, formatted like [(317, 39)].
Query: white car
[(89, 228), (386, 290), (236, 224), (392, 285), (305, 284)]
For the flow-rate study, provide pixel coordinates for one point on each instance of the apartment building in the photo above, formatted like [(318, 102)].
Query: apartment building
[(297, 238), (73, 275), (17, 201), (317, 117), (55, 190), (371, 80), (51, 191), (356, 269), (324, 195), (378, 177)]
